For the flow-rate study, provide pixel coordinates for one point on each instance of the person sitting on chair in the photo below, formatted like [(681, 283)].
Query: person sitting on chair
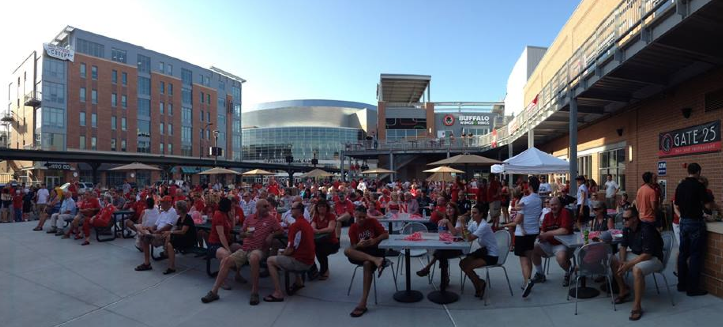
[(487, 254), (641, 251), (556, 222), (365, 236), (102, 219)]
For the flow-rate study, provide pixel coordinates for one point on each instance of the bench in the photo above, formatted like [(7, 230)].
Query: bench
[(105, 230)]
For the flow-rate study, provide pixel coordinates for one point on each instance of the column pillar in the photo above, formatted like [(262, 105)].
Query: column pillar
[(391, 165), (531, 138), (572, 148)]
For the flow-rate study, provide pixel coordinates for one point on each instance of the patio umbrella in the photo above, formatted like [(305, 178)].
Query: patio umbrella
[(440, 177), (136, 166), (256, 172), (443, 169), (218, 171), (377, 171), (466, 159), (317, 173)]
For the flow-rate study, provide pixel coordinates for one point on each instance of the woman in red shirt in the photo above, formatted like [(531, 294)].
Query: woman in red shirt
[(324, 222), (219, 238)]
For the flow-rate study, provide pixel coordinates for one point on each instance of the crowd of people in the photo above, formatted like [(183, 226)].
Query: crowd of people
[(272, 228)]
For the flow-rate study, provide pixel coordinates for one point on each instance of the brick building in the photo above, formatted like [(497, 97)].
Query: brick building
[(87, 92)]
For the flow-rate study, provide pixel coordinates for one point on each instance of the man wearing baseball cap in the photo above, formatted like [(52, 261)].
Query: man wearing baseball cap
[(154, 236)]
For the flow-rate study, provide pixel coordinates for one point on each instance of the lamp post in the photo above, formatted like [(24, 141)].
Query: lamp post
[(215, 147), (200, 149)]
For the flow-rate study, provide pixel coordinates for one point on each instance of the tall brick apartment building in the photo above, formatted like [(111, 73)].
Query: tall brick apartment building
[(85, 91)]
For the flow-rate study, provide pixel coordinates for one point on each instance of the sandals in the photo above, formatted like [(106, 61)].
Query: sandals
[(169, 271), (423, 272), (385, 263), (635, 315), (358, 312), (254, 300), (622, 298), (272, 298), (480, 293), (143, 267), (37, 229), (85, 243)]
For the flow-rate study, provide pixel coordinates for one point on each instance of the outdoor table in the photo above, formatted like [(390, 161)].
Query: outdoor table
[(422, 220), (124, 214), (207, 227), (430, 242), (573, 242)]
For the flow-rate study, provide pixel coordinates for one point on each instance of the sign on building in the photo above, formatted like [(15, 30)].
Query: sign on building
[(58, 52), (662, 168), (702, 138)]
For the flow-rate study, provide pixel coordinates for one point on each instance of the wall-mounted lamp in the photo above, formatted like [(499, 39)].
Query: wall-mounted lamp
[(686, 112), (620, 131)]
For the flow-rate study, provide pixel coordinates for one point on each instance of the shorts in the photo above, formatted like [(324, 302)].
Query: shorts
[(551, 250), (241, 257), (154, 240), (648, 266), (495, 208), (212, 247), (40, 207), (524, 244), (374, 252), (585, 214), (291, 264), (481, 253)]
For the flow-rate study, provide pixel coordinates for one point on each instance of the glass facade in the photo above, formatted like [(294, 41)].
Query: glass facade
[(302, 142)]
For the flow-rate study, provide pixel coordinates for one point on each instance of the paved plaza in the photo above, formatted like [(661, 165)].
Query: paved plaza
[(46, 281)]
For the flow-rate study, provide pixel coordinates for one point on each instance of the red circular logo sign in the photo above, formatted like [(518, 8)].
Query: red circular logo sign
[(448, 120)]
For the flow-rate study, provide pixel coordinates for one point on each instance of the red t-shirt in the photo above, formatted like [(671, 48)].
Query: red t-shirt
[(239, 216), (104, 216), (341, 207), (274, 189), (482, 194), (138, 208), (455, 192), (172, 190), (437, 214), (219, 219), (200, 206), (324, 223), (17, 201), (301, 238), (263, 227), (89, 204), (562, 221), (371, 228), (492, 190)]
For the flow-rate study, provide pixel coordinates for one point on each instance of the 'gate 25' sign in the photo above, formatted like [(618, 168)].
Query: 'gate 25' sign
[(696, 139)]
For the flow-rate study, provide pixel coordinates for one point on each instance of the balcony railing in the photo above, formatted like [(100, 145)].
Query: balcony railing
[(33, 99), (619, 28), (419, 144)]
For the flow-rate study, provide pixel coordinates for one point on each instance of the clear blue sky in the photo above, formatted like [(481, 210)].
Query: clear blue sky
[(332, 49)]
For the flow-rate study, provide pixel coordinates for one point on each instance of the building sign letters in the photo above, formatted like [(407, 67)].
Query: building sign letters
[(690, 140), (57, 166), (475, 120), (58, 52)]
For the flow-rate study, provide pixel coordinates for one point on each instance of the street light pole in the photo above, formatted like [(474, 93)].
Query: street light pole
[(200, 148), (215, 147)]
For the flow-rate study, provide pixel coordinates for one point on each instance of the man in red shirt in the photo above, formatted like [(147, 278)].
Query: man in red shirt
[(556, 222), (365, 236), (102, 219), (483, 196), (86, 209), (494, 195), (344, 210), (297, 257), (439, 211)]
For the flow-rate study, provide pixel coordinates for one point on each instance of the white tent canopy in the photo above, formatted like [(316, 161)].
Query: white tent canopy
[(532, 161)]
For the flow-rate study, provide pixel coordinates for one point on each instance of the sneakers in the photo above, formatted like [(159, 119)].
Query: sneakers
[(566, 280), (210, 297), (527, 289), (539, 278)]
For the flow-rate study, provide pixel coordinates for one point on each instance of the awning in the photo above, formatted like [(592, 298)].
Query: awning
[(192, 170)]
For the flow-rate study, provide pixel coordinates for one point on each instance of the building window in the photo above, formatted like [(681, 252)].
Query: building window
[(82, 70), (144, 146), (170, 129), (90, 48), (82, 119), (144, 128), (208, 116), (114, 76), (186, 150), (114, 100), (160, 69), (202, 115), (186, 96), (54, 68), (124, 126), (144, 86), (144, 64), (170, 89), (170, 109), (208, 98), (221, 85), (162, 87), (160, 145), (118, 55), (169, 69), (612, 162), (186, 77), (82, 143), (124, 79), (53, 117), (94, 96), (124, 101), (94, 72), (112, 144), (123, 145), (206, 81), (186, 115), (93, 120), (584, 166), (160, 128), (113, 123), (144, 107), (82, 94), (236, 92), (161, 107), (202, 97), (53, 92), (170, 148), (93, 143), (186, 134)]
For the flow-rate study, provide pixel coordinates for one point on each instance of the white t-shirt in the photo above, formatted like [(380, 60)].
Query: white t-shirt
[(43, 196), (532, 209), (582, 200), (167, 218), (150, 216), (545, 188), (485, 236), (610, 188)]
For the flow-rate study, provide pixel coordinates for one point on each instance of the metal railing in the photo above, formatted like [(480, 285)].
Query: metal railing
[(625, 21), (33, 98), (425, 144)]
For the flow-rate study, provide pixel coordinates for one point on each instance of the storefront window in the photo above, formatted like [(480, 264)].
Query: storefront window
[(584, 166), (613, 162)]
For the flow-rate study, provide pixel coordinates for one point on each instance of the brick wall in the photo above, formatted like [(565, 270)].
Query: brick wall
[(713, 265)]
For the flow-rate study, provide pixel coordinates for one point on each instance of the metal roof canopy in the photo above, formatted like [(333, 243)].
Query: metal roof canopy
[(402, 88)]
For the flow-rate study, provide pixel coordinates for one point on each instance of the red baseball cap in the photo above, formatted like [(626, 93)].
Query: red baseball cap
[(167, 198)]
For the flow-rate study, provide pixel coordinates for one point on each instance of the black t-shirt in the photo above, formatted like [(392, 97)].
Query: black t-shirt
[(464, 206), (186, 240), (690, 195), (645, 239)]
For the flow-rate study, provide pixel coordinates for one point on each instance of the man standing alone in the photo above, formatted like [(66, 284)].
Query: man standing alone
[(611, 192)]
